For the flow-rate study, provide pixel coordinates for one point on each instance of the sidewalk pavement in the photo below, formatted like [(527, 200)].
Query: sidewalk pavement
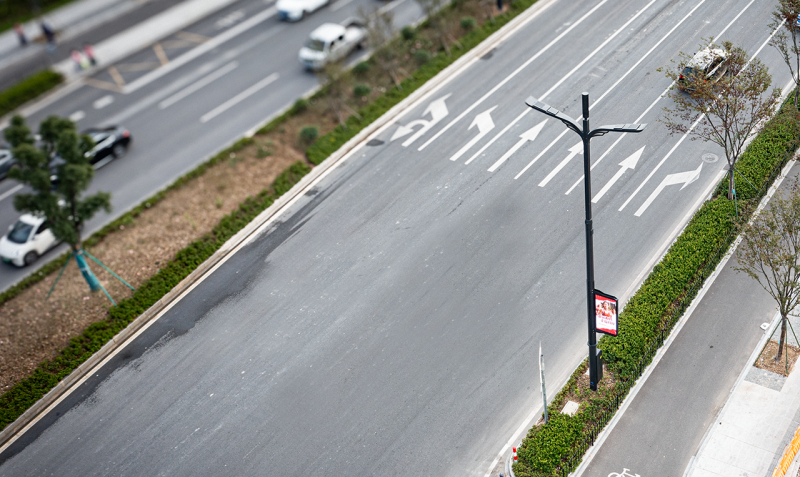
[(759, 420), (80, 16)]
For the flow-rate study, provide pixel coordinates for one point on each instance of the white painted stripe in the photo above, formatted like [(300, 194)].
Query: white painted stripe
[(239, 98), (103, 102), (541, 153), (339, 4), (11, 192), (77, 116), (200, 50), (512, 75), (194, 87)]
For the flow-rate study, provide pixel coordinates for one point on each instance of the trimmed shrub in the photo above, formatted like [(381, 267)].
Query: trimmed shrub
[(361, 90), (30, 88), (298, 107), (468, 23), (309, 134), (422, 56), (408, 33), (361, 68)]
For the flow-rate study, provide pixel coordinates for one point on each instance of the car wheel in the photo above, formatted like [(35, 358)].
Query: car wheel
[(30, 258), (119, 151), (302, 15)]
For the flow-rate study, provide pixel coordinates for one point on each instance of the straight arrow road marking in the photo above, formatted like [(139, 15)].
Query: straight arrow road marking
[(628, 163), (485, 125), (529, 135), (573, 151), (684, 178), (438, 111)]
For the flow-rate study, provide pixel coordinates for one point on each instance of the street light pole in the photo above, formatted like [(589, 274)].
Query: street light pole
[(586, 134)]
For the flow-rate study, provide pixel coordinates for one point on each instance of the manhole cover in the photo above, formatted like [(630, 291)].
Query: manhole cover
[(709, 157)]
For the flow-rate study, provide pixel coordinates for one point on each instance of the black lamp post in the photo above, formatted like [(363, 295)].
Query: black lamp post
[(595, 368)]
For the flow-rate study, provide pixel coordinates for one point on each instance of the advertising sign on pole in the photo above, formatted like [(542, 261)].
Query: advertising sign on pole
[(605, 311)]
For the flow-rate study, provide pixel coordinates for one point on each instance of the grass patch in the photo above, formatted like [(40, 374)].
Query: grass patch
[(30, 88)]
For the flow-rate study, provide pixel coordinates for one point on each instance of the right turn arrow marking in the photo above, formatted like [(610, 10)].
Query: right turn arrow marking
[(628, 163), (684, 178)]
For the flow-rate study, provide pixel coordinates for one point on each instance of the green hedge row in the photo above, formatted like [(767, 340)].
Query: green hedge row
[(669, 288), (30, 88), (332, 141), (23, 395)]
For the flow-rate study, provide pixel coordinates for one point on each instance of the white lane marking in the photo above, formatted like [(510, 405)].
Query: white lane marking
[(565, 77), (198, 85), (485, 125), (200, 50), (541, 154), (512, 75), (77, 116), (239, 98), (438, 111), (529, 135), (573, 151), (658, 166), (11, 192), (229, 19), (103, 102), (339, 4), (629, 163)]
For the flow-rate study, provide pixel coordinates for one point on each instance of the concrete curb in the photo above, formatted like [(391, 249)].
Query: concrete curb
[(256, 227)]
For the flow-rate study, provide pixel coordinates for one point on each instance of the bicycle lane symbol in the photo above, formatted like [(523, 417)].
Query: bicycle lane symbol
[(623, 474)]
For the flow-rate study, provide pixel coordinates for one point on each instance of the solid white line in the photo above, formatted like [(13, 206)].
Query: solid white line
[(198, 85), (512, 75), (239, 98), (541, 153), (11, 191), (658, 166), (339, 4), (200, 50)]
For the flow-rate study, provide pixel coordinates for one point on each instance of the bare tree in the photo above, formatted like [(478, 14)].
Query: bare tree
[(335, 79), (784, 19), (438, 22), (770, 253), (381, 31), (719, 96)]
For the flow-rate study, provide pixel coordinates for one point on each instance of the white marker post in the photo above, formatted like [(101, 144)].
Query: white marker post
[(438, 111), (485, 124), (628, 163), (684, 178)]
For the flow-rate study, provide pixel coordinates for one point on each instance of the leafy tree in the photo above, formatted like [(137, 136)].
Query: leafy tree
[(770, 253), (784, 19), (62, 204), (724, 109)]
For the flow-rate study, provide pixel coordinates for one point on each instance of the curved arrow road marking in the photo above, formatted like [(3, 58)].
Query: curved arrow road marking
[(438, 111), (684, 178), (628, 163)]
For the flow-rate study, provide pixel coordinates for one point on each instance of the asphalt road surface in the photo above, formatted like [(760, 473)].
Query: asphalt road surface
[(242, 68), (389, 324)]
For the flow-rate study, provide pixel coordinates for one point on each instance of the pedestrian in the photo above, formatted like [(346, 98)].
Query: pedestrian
[(88, 50), (78, 58), (23, 40), (50, 35)]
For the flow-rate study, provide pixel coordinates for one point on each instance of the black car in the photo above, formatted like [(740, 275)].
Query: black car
[(109, 143)]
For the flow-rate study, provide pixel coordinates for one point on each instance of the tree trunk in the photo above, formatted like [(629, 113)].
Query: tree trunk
[(782, 339), (91, 280), (795, 97), (731, 184)]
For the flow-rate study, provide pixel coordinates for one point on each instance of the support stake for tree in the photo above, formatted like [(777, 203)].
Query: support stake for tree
[(59, 276), (107, 269)]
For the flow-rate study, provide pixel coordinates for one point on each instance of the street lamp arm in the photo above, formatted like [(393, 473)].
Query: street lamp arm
[(624, 128), (553, 112)]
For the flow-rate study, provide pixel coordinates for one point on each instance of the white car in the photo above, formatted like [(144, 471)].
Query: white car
[(332, 42), (295, 10), (26, 240)]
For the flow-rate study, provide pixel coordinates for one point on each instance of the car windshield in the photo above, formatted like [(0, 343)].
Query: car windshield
[(688, 73), (98, 136), (315, 45), (20, 232)]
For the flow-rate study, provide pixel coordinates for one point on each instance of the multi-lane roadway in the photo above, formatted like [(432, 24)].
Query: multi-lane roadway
[(389, 323), (192, 94)]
